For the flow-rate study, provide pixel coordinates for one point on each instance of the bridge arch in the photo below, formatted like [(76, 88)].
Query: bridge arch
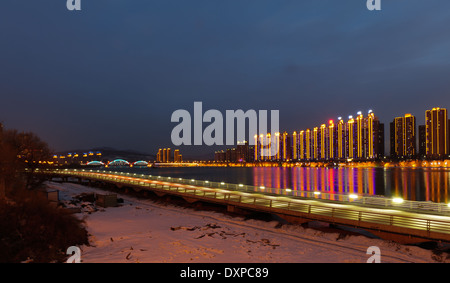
[(119, 162), (95, 163), (140, 163)]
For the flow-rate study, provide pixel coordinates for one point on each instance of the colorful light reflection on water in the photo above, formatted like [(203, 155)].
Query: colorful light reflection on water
[(420, 184)]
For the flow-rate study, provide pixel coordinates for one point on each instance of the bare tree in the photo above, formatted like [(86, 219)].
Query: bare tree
[(20, 150)]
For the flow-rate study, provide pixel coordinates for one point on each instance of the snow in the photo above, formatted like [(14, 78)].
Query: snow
[(140, 230)]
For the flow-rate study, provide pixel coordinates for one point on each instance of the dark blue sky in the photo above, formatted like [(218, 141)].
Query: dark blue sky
[(112, 74)]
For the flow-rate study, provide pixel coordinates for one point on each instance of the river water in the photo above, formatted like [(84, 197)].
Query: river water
[(420, 184)]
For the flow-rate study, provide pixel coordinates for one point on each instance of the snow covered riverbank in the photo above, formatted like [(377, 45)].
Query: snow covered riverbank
[(140, 230)]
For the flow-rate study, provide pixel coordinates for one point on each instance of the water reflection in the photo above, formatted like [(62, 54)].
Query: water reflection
[(421, 184), (409, 183)]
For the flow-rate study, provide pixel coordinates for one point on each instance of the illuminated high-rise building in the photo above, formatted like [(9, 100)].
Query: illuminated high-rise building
[(277, 146), (295, 146), (302, 145), (268, 148), (403, 137), (360, 136), (256, 148), (286, 149), (158, 155), (351, 139), (394, 129), (436, 133), (308, 144), (340, 139), (315, 143), (164, 155), (176, 156), (168, 155), (324, 142), (332, 140), (262, 144), (373, 137)]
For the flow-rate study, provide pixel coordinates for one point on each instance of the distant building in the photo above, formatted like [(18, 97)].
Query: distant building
[(177, 157), (242, 152), (295, 146), (381, 149), (159, 155), (168, 155), (403, 137), (436, 133), (340, 139), (422, 141), (164, 155)]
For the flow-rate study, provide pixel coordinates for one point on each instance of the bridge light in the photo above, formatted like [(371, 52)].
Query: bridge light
[(353, 196), (397, 200), (317, 193)]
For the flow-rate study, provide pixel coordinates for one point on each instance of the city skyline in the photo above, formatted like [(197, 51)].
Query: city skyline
[(127, 72), (360, 138)]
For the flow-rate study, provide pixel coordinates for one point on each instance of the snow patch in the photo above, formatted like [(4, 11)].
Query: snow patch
[(139, 230)]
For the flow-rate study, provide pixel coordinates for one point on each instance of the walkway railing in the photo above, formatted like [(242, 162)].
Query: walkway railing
[(185, 187), (381, 201)]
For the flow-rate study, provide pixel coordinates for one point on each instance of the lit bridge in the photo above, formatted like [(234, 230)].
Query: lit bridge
[(123, 162), (118, 162), (405, 222)]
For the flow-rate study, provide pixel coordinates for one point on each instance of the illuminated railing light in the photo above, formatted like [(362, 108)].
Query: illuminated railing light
[(262, 187), (353, 196), (317, 193), (397, 200), (241, 185), (288, 190), (222, 183)]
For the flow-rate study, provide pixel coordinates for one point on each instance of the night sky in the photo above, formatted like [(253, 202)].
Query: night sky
[(113, 73)]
